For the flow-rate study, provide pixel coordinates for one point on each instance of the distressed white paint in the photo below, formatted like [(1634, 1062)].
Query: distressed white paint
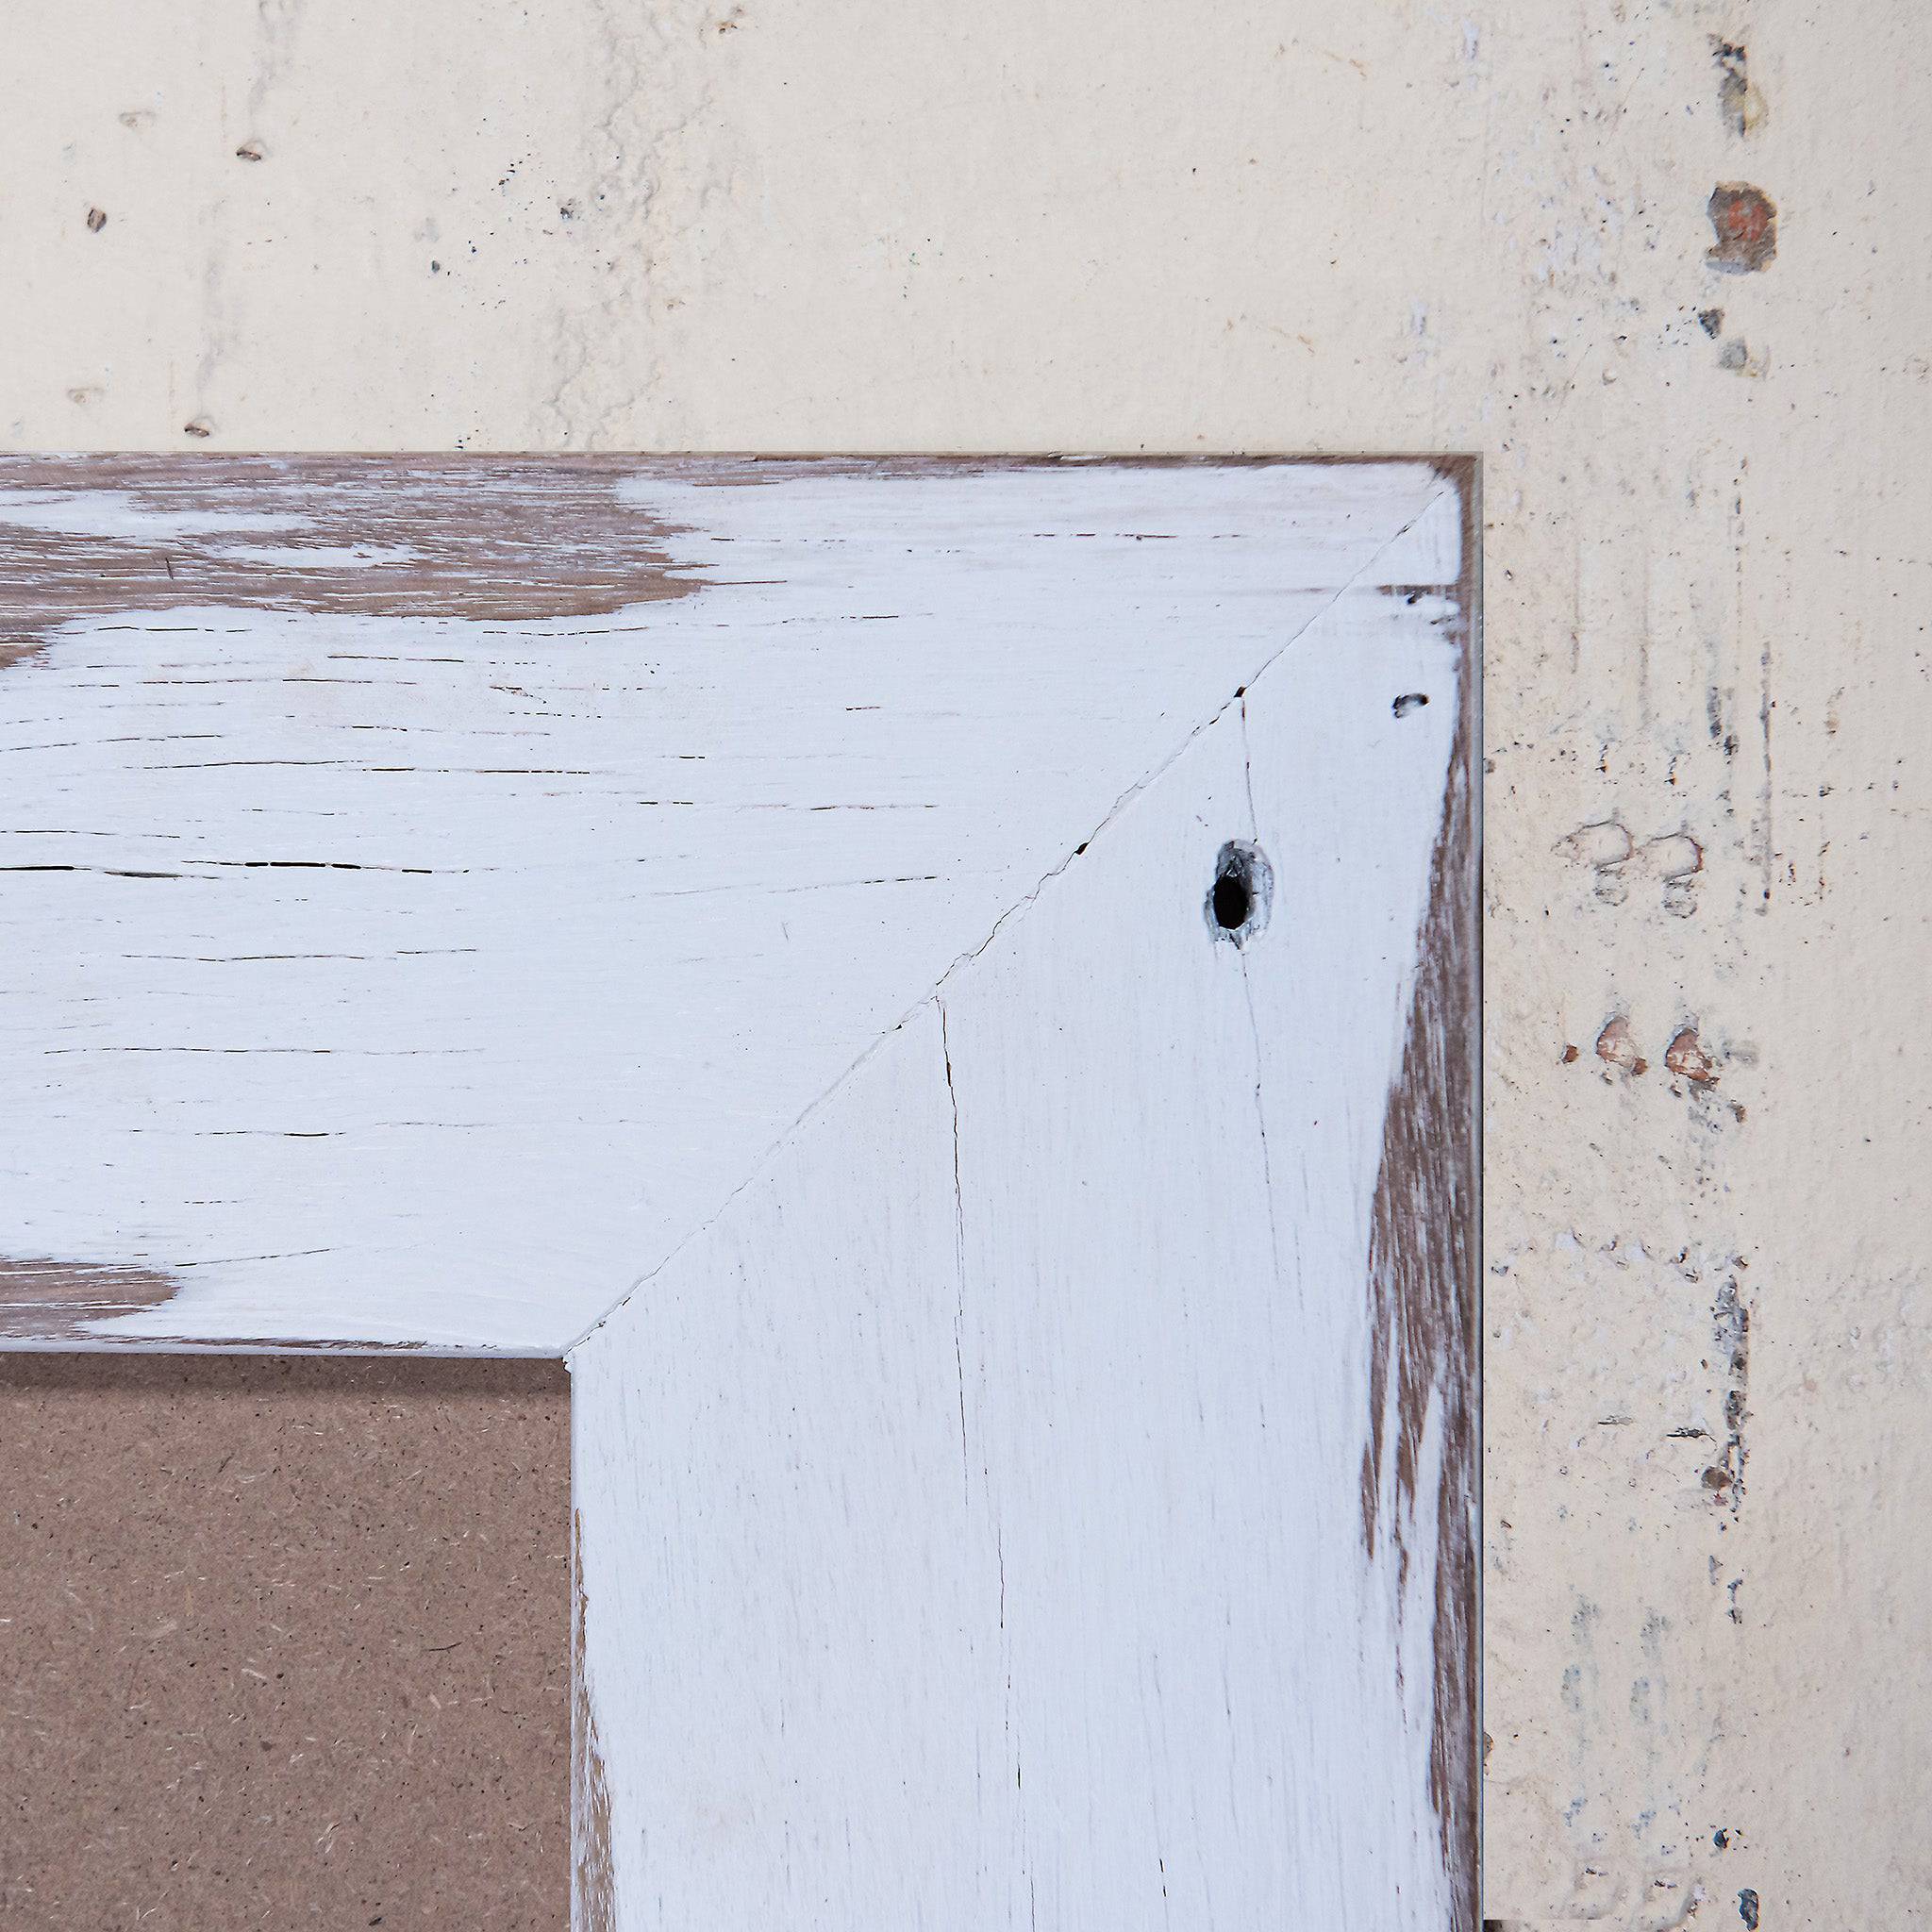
[(428, 980), (1280, 224), (121, 514), (971, 1523)]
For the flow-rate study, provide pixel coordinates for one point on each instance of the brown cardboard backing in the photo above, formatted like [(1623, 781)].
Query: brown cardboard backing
[(285, 1642)]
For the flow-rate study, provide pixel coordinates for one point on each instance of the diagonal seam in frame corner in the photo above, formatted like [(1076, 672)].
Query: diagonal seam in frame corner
[(1456, 483)]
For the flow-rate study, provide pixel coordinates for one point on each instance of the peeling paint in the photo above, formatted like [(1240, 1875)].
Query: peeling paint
[(445, 537), (735, 276), (1615, 1047), (1421, 1268), (1739, 103), (1685, 1057), (62, 1301), (1745, 221), (593, 1896), (1731, 1362)]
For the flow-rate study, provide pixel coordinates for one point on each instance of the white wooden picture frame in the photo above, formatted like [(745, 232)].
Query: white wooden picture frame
[(947, 990)]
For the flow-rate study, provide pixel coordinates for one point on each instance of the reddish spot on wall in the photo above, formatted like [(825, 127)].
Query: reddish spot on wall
[(1745, 219)]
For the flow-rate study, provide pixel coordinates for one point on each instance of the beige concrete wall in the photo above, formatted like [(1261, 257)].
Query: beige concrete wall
[(1123, 224)]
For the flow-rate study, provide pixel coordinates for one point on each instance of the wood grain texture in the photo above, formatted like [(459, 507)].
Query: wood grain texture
[(1013, 1509), (429, 886), (484, 541), (1425, 1362)]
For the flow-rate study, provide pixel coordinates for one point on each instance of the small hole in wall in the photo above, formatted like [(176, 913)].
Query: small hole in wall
[(1409, 701), (1239, 896)]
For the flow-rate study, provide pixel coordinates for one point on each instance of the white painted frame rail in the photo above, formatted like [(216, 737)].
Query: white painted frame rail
[(948, 990)]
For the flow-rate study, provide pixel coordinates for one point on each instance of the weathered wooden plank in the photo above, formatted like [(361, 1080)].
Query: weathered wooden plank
[(787, 1575), (1043, 1494), (428, 886)]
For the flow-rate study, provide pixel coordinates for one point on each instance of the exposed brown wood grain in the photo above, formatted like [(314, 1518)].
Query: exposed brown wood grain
[(495, 539), (594, 1891), (512, 541), (1423, 1286), (53, 1301)]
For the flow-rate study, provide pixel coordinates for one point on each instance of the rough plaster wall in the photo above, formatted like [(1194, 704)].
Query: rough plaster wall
[(1313, 225)]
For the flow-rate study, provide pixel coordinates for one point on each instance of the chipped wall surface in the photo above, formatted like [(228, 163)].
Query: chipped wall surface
[(1664, 266)]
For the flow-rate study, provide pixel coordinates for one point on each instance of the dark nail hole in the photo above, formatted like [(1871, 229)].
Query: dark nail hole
[(1409, 701), (1238, 899)]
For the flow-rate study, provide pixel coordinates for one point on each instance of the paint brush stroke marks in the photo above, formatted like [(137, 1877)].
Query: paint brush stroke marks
[(413, 945)]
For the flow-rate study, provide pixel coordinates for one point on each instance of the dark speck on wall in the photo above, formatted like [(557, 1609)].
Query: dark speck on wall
[(1711, 321), (1747, 1908), (1733, 84), (96, 220)]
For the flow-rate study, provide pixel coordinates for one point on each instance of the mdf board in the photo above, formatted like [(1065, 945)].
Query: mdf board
[(946, 989), (283, 1643)]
